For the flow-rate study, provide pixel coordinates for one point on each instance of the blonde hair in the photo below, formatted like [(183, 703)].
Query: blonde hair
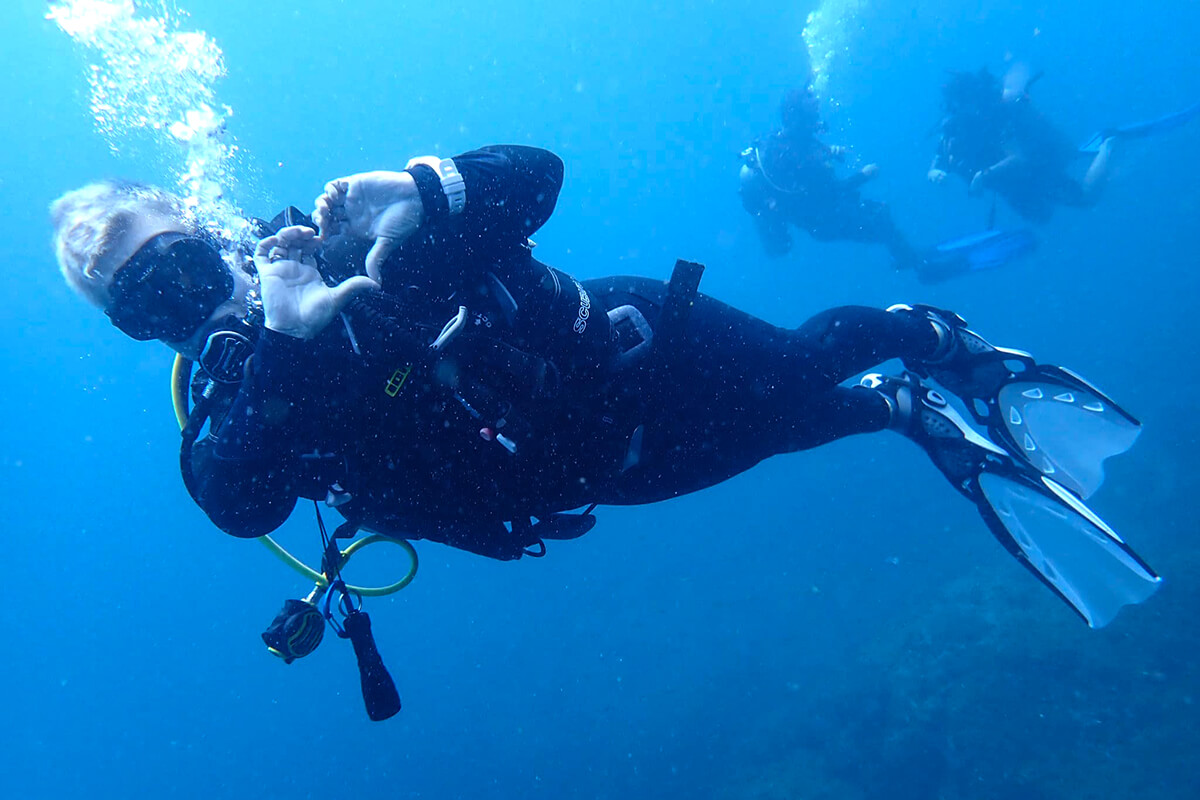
[(87, 221)]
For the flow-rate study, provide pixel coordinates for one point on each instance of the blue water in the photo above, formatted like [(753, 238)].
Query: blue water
[(833, 624)]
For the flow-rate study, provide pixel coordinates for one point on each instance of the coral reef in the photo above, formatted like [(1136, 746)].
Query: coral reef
[(998, 692)]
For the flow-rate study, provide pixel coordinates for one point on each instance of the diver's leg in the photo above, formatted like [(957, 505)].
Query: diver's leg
[(904, 255), (839, 343), (775, 390), (1063, 190), (828, 416), (734, 389), (773, 233), (1029, 190), (871, 221), (732, 348)]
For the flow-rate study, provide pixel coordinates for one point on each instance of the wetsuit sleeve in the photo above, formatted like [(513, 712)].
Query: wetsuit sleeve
[(244, 477), (511, 191)]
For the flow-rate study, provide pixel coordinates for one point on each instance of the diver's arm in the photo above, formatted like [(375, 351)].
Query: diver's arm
[(498, 193), (243, 478), (246, 498), (1004, 164), (511, 190), (241, 475), (862, 176), (980, 180)]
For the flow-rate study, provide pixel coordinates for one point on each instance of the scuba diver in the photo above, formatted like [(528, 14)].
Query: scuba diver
[(996, 140), (464, 392), (789, 177)]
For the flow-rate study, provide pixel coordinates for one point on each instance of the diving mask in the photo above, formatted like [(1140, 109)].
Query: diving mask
[(169, 288)]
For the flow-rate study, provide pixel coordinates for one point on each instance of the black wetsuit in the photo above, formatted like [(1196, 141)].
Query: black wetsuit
[(531, 409)]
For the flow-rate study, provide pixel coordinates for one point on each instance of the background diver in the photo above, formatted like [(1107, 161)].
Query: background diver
[(994, 138), (789, 177), (481, 394)]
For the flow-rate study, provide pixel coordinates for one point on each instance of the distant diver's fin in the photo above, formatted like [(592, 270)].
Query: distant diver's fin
[(1046, 527), (1139, 130), (1063, 543), (1063, 426), (978, 251)]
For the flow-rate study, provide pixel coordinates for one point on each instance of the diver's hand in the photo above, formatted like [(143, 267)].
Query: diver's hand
[(870, 171), (936, 175), (384, 206), (296, 301)]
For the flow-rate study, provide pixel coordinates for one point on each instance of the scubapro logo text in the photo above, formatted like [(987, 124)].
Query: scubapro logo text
[(585, 309)]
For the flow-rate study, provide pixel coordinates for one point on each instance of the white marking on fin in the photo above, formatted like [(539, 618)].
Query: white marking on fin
[(1014, 416), (1079, 508), (1033, 394), (1065, 397), (1030, 446), (1096, 406)]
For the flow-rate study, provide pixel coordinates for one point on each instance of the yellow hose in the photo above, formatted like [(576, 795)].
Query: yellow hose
[(181, 374)]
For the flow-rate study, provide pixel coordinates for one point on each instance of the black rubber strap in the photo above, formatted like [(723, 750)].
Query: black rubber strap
[(677, 308), (429, 186)]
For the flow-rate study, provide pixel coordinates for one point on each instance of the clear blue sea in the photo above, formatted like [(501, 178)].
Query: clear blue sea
[(831, 625)]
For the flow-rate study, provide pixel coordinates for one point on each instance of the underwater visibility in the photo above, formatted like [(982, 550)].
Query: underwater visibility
[(566, 364)]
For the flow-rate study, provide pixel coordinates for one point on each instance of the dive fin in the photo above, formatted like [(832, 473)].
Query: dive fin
[(1044, 525), (1063, 543), (1049, 417), (976, 252), (1139, 130), (1063, 426)]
